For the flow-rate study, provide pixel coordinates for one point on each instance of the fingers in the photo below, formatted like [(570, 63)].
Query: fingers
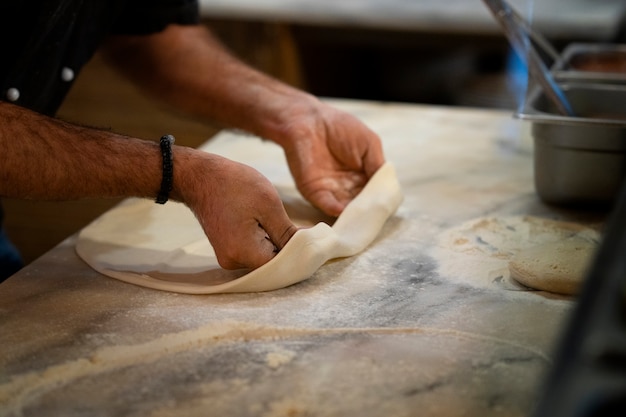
[(332, 195), (373, 160), (354, 145), (372, 156), (255, 245), (328, 203), (333, 202), (238, 208), (279, 230), (256, 242)]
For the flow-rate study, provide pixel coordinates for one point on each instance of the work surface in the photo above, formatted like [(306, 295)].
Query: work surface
[(394, 331), (580, 19)]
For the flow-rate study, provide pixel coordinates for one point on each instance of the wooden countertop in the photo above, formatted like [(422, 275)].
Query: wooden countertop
[(581, 19), (389, 332)]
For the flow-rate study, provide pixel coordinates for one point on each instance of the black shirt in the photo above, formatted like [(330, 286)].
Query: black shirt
[(45, 43)]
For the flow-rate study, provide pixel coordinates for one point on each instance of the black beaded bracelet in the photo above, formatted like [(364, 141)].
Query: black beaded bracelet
[(168, 169)]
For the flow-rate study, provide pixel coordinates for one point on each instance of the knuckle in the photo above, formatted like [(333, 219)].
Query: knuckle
[(287, 234)]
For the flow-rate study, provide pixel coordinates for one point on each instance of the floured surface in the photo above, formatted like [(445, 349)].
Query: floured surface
[(379, 358), (384, 333), (478, 252), (163, 246)]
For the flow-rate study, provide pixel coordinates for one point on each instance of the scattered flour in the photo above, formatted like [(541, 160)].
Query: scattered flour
[(478, 252)]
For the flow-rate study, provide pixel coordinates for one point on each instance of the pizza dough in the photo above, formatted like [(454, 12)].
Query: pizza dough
[(558, 267), (163, 246), (517, 252)]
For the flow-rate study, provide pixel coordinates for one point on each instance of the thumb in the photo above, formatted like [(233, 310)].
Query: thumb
[(279, 228), (373, 160)]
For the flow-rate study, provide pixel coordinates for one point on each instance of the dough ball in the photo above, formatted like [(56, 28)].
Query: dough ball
[(559, 267)]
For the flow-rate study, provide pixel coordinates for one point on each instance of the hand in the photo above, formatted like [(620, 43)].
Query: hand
[(238, 208), (331, 154)]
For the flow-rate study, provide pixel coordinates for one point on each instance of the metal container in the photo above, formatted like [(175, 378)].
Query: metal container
[(592, 62), (579, 160)]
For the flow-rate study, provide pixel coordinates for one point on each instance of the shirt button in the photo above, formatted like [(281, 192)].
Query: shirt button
[(67, 74), (13, 94)]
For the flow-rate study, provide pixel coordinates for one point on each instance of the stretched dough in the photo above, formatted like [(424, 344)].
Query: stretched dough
[(164, 247)]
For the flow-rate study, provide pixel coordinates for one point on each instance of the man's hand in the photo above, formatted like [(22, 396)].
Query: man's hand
[(238, 208), (331, 154)]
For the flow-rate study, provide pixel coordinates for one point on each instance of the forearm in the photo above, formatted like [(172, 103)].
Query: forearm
[(47, 159), (189, 68), (330, 153)]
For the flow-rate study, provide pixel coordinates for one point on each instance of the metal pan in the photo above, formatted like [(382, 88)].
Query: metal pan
[(579, 160)]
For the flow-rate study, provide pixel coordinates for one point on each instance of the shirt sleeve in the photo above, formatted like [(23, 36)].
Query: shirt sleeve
[(141, 17)]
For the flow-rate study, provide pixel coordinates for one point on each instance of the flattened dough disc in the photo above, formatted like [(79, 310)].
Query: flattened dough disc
[(557, 267), (164, 247), (504, 251)]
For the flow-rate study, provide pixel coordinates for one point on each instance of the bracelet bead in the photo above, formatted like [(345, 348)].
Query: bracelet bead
[(167, 180)]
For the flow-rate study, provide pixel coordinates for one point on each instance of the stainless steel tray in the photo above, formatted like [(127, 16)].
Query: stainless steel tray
[(579, 160)]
